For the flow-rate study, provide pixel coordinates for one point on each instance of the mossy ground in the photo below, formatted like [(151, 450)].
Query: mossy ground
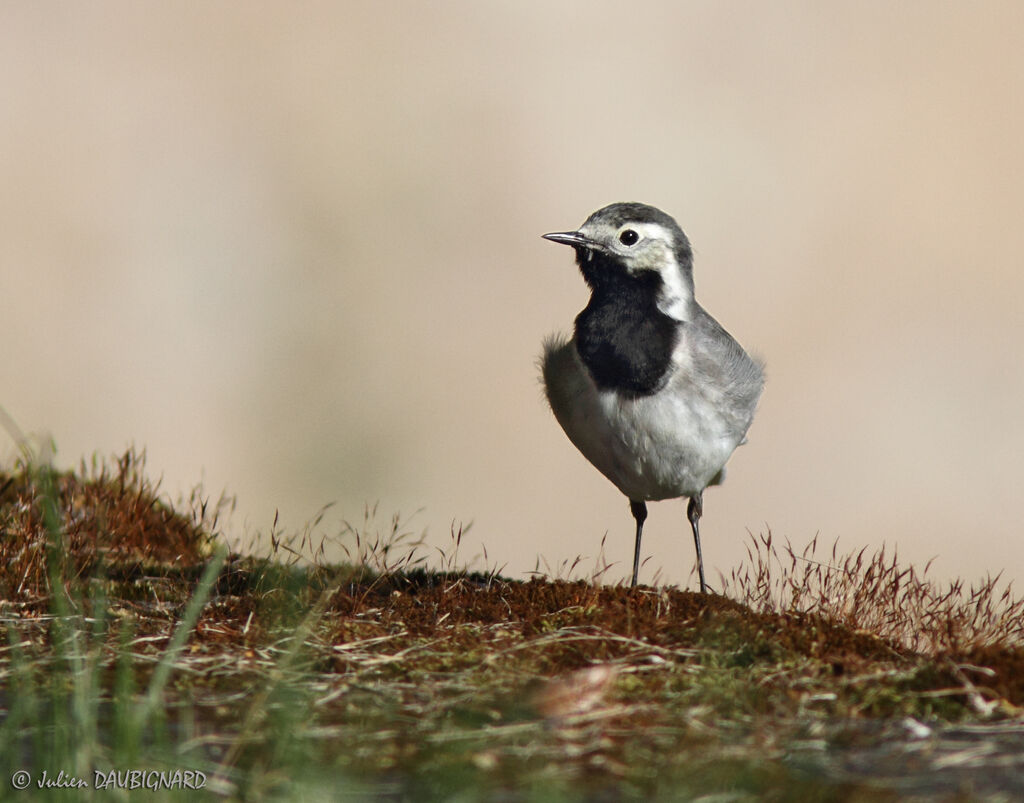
[(383, 679)]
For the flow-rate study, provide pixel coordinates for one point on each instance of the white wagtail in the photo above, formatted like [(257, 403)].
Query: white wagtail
[(650, 388)]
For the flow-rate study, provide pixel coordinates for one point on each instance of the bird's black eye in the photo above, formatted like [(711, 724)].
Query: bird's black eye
[(629, 237)]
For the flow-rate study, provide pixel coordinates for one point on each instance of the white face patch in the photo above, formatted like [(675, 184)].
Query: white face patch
[(652, 249), (675, 296)]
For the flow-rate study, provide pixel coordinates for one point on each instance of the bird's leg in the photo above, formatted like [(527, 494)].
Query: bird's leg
[(639, 511), (693, 513)]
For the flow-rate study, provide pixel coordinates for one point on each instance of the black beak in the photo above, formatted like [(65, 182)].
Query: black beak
[(573, 238)]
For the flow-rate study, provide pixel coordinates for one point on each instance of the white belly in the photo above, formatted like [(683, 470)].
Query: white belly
[(661, 446)]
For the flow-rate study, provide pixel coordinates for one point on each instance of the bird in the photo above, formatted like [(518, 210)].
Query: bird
[(649, 387)]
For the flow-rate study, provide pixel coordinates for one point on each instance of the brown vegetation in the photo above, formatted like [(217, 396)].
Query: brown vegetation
[(793, 644)]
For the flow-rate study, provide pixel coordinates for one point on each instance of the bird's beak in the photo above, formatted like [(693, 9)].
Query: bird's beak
[(573, 238)]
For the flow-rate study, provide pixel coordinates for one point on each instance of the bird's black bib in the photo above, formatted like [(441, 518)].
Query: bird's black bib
[(625, 341)]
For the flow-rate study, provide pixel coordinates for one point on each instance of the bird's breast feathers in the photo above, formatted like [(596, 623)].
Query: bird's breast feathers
[(671, 443)]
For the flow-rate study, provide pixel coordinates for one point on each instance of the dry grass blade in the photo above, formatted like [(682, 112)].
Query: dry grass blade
[(874, 593)]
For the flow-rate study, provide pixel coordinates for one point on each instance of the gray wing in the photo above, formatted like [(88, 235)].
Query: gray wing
[(720, 362)]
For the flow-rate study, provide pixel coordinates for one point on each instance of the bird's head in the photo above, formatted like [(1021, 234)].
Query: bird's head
[(627, 244)]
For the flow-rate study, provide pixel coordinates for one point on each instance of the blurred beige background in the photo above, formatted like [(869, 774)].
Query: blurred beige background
[(293, 250)]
